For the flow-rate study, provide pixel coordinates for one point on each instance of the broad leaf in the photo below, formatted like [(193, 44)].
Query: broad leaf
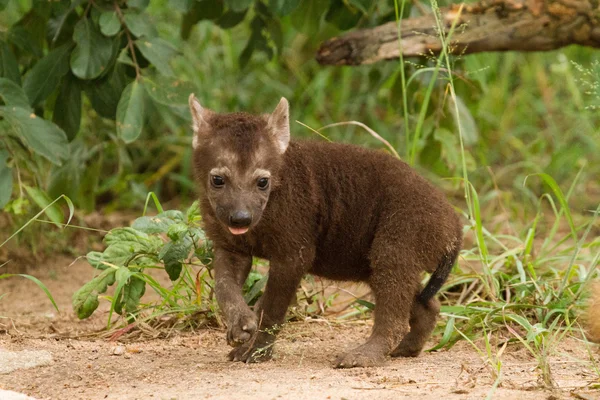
[(46, 74), (238, 5), (231, 18), (159, 52), (6, 179), (39, 135), (283, 7), (12, 94), (104, 94), (42, 200), (9, 68), (138, 4), (182, 5), (109, 23), (136, 240), (168, 91), (159, 223), (177, 231), (85, 300), (95, 258), (132, 293), (93, 52), (130, 112), (173, 254), (67, 109), (140, 25)]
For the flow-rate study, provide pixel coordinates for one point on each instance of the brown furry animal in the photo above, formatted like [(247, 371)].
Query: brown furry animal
[(334, 210), (592, 316)]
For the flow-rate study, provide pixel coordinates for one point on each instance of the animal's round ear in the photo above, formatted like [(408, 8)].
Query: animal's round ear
[(279, 124), (199, 118)]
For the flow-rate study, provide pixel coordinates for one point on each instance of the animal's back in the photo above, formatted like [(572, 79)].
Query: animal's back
[(352, 192)]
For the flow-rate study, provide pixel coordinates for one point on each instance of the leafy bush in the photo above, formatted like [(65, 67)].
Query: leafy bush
[(171, 240)]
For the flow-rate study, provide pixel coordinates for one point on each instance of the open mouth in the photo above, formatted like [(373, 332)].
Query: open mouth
[(238, 231)]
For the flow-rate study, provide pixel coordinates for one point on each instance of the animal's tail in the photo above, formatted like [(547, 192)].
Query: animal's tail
[(440, 275)]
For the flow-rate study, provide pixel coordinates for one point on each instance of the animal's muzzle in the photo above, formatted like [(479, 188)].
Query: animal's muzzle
[(240, 219)]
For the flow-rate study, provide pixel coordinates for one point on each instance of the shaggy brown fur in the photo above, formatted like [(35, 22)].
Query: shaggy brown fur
[(592, 316), (334, 210)]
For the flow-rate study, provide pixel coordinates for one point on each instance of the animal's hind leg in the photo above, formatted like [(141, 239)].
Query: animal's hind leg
[(393, 284), (422, 322)]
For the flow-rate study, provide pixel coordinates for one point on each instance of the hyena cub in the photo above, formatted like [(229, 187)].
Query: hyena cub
[(333, 210)]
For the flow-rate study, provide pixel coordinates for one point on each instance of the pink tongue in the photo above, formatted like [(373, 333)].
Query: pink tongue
[(238, 231)]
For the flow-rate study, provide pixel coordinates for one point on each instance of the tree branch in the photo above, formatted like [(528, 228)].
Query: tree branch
[(489, 25)]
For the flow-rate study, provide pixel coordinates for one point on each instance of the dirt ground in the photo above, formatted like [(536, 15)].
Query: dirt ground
[(193, 365)]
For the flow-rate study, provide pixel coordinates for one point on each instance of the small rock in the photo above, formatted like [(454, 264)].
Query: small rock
[(118, 351), (13, 360), (9, 395)]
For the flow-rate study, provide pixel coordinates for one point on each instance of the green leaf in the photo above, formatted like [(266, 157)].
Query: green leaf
[(130, 112), (307, 17), (159, 52), (173, 254), (46, 74), (3, 4), (93, 52), (12, 94), (365, 303), (231, 19), (182, 5), (85, 300), (9, 68), (132, 293), (140, 25), (95, 258), (159, 223), (168, 91), (255, 287), (210, 9), (42, 136), (104, 94), (177, 231), (122, 278), (6, 179), (341, 16), (362, 5), (199, 10), (173, 269), (283, 7), (238, 5), (67, 109), (139, 4), (42, 200), (109, 23), (136, 240), (25, 41)]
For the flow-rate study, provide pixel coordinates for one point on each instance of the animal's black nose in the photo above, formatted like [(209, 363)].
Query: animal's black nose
[(240, 219)]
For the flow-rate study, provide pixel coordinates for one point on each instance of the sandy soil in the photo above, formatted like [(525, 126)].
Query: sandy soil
[(193, 365)]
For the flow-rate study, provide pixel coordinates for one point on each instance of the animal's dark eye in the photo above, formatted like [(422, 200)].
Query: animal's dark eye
[(217, 181), (263, 183)]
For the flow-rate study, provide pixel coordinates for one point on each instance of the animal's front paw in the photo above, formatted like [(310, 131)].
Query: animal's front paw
[(361, 357), (242, 328), (252, 352)]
